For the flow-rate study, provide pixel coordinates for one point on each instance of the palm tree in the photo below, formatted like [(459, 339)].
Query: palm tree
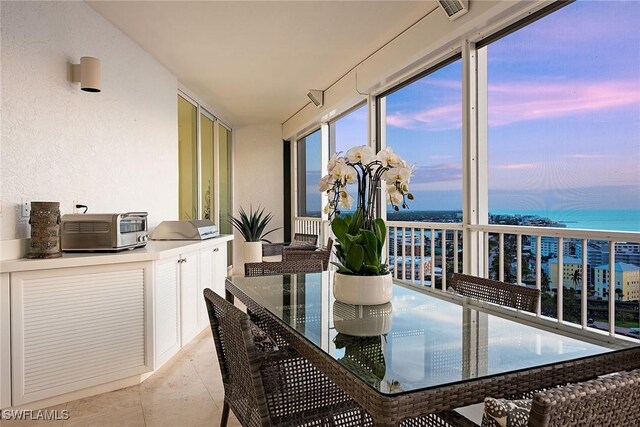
[(619, 294), (576, 278)]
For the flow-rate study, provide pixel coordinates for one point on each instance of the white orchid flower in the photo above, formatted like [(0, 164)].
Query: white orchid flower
[(389, 158), (363, 153), (393, 195), (326, 182), (333, 161), (345, 200), (402, 175), (344, 173)]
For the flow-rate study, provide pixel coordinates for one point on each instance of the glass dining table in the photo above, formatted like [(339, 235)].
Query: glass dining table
[(426, 351)]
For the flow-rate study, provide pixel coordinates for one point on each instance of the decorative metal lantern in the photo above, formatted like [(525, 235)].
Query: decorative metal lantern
[(45, 230)]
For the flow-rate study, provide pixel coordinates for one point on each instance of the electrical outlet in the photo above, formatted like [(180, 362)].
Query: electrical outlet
[(25, 208)]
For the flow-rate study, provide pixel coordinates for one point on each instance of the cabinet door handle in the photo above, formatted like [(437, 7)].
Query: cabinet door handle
[(216, 249), (181, 260)]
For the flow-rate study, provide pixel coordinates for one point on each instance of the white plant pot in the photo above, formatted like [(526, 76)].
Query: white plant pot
[(362, 290), (252, 251), (362, 320)]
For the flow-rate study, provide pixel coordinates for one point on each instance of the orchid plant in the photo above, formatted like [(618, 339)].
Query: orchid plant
[(360, 237)]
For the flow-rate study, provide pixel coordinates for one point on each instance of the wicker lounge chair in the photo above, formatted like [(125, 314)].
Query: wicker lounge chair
[(267, 387), (505, 294), (264, 268), (324, 254)]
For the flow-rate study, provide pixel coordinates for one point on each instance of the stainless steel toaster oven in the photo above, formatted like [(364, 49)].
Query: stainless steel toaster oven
[(103, 232)]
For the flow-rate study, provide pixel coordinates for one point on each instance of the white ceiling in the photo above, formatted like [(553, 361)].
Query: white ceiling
[(253, 61)]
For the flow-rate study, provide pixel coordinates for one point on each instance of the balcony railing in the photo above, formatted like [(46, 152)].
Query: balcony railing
[(546, 258)]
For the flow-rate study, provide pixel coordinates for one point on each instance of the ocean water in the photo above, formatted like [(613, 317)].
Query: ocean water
[(600, 219)]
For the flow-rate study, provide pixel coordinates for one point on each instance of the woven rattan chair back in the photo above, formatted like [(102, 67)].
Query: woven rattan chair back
[(323, 254), (611, 400), (308, 265), (305, 239), (505, 294), (238, 359)]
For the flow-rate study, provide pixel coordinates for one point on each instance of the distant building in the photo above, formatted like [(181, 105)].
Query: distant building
[(627, 279), (628, 253), (549, 247), (570, 266)]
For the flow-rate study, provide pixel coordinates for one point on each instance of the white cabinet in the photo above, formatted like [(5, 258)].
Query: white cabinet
[(84, 324), (73, 328), (189, 298), (213, 270)]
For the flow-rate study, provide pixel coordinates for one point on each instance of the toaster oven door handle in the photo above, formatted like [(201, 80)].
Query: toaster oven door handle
[(134, 214)]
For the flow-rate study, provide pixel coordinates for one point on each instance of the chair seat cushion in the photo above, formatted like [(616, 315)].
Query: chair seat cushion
[(263, 342), (506, 413)]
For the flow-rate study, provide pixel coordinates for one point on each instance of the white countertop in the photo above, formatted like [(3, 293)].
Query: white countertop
[(154, 250)]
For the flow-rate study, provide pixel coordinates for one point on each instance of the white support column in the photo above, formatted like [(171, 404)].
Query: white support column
[(612, 288), (474, 205), (294, 184), (324, 159)]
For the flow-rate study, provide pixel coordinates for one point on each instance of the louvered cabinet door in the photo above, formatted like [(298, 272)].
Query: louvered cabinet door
[(166, 310), (73, 328), (189, 296), (206, 281)]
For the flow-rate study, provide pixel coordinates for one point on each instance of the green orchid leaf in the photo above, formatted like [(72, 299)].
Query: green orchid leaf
[(354, 258), (339, 227)]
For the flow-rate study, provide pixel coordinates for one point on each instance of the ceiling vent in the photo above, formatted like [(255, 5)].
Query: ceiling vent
[(454, 8), (317, 97)]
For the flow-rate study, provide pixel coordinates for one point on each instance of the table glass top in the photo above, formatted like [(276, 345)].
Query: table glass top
[(416, 341)]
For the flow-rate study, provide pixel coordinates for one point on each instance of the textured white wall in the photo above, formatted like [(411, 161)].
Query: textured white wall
[(113, 151), (258, 179)]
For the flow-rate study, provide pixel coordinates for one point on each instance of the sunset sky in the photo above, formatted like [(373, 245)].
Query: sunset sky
[(564, 116)]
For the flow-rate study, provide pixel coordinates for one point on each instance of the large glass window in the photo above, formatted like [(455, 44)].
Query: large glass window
[(207, 178), (187, 159), (309, 159), (422, 121), (564, 118), (349, 130), (226, 186), (564, 148), (346, 132)]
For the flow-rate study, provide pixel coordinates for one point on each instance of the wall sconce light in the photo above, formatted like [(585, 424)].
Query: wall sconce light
[(87, 73), (317, 97)]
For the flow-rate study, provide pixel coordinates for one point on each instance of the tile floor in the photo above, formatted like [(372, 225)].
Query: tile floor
[(186, 392)]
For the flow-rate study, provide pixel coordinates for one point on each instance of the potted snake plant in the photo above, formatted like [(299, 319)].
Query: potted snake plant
[(252, 227)]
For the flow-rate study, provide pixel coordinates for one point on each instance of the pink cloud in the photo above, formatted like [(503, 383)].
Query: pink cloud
[(438, 118), (585, 156), (517, 166), (516, 102), (525, 101)]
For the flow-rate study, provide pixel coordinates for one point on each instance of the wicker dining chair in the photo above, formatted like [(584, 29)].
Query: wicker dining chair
[(307, 265), (268, 387), (323, 254), (610, 400), (505, 294), (300, 241)]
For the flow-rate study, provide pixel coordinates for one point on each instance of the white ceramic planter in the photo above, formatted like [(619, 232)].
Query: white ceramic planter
[(362, 290), (252, 251), (362, 320)]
